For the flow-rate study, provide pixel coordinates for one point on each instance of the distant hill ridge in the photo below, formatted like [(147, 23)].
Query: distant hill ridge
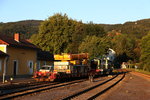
[(29, 27), (26, 27)]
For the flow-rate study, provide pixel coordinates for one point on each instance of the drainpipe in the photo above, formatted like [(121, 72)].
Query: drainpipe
[(4, 70)]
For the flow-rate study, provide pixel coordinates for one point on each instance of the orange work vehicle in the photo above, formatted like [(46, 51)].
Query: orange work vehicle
[(66, 66)]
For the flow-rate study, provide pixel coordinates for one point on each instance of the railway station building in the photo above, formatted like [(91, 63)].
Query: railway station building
[(17, 57)]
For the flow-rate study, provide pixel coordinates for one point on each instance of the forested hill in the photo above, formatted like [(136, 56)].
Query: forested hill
[(137, 28), (28, 27)]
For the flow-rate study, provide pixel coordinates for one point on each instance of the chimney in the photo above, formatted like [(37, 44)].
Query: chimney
[(17, 37)]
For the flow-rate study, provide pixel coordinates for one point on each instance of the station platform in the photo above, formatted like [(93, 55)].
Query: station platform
[(15, 80)]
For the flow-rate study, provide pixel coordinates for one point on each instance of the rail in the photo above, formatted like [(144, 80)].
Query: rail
[(80, 94), (36, 89)]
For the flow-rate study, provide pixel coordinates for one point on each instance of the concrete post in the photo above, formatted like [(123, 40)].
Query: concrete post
[(4, 69)]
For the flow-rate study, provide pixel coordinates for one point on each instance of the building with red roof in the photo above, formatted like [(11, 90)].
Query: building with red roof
[(21, 56)]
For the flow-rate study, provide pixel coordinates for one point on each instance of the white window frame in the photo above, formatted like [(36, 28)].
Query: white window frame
[(30, 61)]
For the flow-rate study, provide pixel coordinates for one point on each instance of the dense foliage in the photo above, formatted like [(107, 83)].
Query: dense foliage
[(95, 46), (145, 52), (136, 29), (59, 34)]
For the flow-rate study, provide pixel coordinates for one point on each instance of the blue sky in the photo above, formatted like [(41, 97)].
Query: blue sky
[(98, 11)]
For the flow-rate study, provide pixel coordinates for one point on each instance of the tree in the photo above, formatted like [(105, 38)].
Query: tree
[(145, 52), (124, 46), (94, 29), (95, 46), (59, 34), (77, 36)]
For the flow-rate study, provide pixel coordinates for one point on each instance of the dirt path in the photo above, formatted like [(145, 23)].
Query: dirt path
[(134, 87)]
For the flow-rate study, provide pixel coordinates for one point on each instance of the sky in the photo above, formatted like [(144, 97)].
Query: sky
[(97, 11)]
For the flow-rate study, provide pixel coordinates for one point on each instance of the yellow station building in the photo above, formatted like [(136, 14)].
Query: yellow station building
[(20, 56)]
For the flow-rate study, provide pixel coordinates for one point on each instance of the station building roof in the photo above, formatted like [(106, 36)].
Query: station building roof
[(21, 43)]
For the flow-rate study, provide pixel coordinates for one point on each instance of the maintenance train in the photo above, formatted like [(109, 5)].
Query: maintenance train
[(68, 66)]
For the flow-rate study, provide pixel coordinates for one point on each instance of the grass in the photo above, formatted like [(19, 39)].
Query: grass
[(138, 70)]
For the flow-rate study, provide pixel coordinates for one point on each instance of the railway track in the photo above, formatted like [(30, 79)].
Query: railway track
[(95, 91), (35, 89), (16, 85), (45, 86), (20, 89)]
